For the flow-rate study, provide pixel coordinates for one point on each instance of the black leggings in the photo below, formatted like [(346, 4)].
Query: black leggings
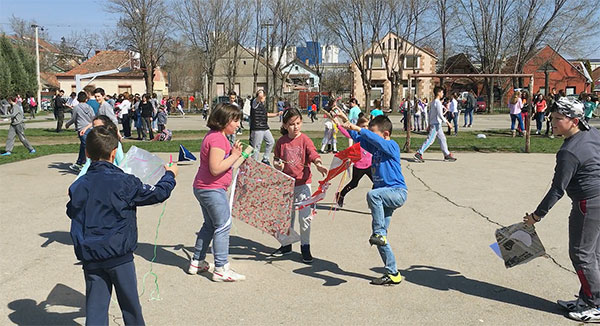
[(357, 174)]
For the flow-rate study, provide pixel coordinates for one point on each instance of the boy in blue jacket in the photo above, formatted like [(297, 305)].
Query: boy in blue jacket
[(102, 208), (389, 189)]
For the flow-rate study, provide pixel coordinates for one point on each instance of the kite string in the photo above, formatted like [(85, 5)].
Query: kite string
[(151, 272)]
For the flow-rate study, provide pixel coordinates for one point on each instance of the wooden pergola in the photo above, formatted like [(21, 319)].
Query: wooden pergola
[(417, 76)]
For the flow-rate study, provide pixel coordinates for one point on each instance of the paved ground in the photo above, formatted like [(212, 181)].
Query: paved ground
[(440, 238)]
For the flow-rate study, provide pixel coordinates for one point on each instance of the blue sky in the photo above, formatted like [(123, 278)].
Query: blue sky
[(59, 17)]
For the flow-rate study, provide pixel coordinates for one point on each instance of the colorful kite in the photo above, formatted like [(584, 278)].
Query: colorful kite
[(263, 197), (341, 162)]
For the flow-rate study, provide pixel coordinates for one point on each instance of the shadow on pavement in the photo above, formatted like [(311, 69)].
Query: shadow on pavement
[(62, 297), (63, 168), (165, 254), (445, 280), (320, 268), (61, 237), (328, 207)]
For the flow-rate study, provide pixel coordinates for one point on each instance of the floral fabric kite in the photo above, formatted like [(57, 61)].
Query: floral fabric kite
[(263, 197)]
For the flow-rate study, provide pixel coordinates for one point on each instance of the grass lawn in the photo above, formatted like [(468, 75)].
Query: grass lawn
[(47, 142)]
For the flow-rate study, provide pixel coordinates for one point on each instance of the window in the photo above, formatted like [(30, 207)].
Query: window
[(412, 61), (376, 62), (570, 90), (395, 44), (542, 90), (236, 89), (220, 89), (73, 88), (390, 43), (124, 89)]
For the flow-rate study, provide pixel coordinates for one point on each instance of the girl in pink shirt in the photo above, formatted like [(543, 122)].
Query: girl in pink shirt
[(360, 168), (294, 152), (210, 187)]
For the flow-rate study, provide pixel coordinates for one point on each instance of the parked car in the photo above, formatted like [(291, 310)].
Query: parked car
[(220, 99), (481, 105)]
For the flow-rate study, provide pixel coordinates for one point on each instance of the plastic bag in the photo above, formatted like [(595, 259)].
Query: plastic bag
[(148, 167)]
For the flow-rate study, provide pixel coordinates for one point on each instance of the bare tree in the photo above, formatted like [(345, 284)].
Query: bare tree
[(85, 42), (348, 21), (238, 31), (206, 25), (485, 23), (286, 19), (257, 41), (146, 31)]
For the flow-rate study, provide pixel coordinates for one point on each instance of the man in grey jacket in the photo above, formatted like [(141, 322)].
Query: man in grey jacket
[(17, 128)]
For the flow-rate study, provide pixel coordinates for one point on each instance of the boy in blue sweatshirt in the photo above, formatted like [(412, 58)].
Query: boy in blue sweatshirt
[(389, 189), (102, 208)]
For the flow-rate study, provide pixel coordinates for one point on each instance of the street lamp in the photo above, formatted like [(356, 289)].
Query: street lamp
[(37, 57), (267, 25)]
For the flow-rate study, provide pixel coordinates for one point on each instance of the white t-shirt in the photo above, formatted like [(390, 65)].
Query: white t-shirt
[(125, 106), (453, 106)]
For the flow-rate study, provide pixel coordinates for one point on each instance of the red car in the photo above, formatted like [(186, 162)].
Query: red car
[(481, 105)]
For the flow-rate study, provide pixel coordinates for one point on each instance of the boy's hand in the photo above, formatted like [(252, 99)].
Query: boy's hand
[(321, 168), (530, 219), (237, 149), (173, 168)]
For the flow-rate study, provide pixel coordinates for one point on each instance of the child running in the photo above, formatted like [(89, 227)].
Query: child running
[(210, 187), (577, 172), (294, 152), (389, 189), (436, 118), (360, 168), (102, 209)]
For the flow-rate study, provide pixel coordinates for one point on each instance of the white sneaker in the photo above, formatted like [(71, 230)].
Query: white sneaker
[(588, 315), (226, 274), (572, 305), (197, 266)]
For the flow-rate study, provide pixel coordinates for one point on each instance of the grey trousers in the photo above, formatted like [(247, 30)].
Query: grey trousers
[(18, 130), (256, 140), (584, 247)]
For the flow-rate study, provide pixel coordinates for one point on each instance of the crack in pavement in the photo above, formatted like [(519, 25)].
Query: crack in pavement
[(487, 218)]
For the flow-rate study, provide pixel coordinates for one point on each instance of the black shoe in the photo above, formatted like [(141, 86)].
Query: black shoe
[(388, 279), (282, 251), (378, 240), (307, 258), (266, 162), (339, 199)]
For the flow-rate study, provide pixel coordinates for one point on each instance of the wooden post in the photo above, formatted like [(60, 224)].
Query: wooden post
[(528, 120), (406, 148)]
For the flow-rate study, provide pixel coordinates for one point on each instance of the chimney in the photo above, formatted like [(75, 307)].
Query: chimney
[(96, 52)]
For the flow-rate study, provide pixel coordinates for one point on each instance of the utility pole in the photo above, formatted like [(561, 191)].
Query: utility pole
[(267, 93), (37, 60)]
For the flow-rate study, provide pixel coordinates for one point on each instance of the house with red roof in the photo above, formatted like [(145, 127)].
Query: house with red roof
[(129, 80)]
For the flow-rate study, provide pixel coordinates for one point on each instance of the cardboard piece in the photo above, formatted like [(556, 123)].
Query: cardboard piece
[(519, 244)]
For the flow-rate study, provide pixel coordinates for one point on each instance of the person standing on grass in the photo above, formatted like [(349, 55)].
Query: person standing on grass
[(16, 128), (470, 105), (590, 106), (540, 112), (577, 173), (436, 118), (59, 109), (146, 111), (515, 105), (125, 107), (82, 116), (453, 114)]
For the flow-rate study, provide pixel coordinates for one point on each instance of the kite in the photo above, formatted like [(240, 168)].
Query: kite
[(341, 162), (518, 244), (148, 167), (262, 197), (185, 155)]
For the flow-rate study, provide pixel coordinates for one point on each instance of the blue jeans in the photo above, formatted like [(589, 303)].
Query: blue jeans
[(468, 114), (514, 118), (383, 202), (81, 157), (539, 119), (216, 227)]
